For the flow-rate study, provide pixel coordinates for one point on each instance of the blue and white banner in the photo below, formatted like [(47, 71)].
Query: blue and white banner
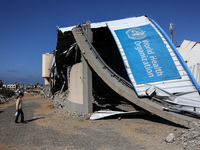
[(147, 55)]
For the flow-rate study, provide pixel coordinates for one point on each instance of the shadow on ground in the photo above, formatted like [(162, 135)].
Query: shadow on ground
[(143, 115), (34, 119)]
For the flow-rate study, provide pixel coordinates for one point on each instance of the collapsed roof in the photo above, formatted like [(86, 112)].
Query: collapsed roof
[(141, 60)]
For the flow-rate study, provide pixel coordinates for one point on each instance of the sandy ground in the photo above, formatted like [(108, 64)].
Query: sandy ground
[(149, 132), (146, 131)]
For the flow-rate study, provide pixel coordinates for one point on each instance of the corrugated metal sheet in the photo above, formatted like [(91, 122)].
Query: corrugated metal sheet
[(195, 69), (190, 51), (93, 25), (183, 84)]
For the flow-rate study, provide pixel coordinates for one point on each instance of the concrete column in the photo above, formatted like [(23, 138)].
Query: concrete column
[(80, 88), (87, 76), (87, 87)]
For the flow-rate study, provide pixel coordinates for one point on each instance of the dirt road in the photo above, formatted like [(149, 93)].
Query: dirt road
[(49, 128)]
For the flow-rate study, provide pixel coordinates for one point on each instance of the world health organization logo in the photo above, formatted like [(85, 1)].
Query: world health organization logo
[(136, 34)]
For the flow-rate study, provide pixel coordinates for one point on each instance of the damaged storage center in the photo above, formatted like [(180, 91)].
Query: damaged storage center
[(127, 65)]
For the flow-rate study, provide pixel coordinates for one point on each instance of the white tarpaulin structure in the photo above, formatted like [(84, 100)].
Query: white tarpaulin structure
[(190, 51)]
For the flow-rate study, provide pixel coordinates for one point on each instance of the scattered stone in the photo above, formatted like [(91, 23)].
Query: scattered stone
[(184, 145), (190, 139), (170, 138), (87, 117), (119, 118), (183, 132)]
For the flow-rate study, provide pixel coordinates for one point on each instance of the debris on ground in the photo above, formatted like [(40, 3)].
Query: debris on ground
[(60, 105), (3, 99), (189, 139), (170, 138)]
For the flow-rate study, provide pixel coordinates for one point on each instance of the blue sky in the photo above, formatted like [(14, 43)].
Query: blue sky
[(28, 27)]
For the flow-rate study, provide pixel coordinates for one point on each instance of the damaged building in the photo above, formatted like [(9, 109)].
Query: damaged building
[(69, 70), (128, 62)]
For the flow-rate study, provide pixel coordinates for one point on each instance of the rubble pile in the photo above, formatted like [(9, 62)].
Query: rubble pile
[(46, 91), (189, 139), (61, 105), (4, 99), (60, 99), (77, 116)]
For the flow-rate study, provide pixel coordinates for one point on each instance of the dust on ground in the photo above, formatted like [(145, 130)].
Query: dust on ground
[(146, 131)]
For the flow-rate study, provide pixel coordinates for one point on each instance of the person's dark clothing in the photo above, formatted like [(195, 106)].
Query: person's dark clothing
[(19, 110), (22, 115)]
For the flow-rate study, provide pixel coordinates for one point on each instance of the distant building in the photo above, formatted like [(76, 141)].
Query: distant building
[(10, 87), (19, 86), (14, 87)]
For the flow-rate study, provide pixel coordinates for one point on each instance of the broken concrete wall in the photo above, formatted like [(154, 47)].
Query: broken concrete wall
[(76, 84), (80, 89), (84, 86)]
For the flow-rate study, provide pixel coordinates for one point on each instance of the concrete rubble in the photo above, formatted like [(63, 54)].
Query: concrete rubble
[(170, 138), (60, 99), (60, 104), (189, 139), (4, 99)]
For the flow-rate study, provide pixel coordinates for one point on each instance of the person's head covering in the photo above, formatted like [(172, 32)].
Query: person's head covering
[(21, 94)]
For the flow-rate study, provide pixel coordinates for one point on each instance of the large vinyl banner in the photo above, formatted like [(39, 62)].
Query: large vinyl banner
[(148, 57)]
